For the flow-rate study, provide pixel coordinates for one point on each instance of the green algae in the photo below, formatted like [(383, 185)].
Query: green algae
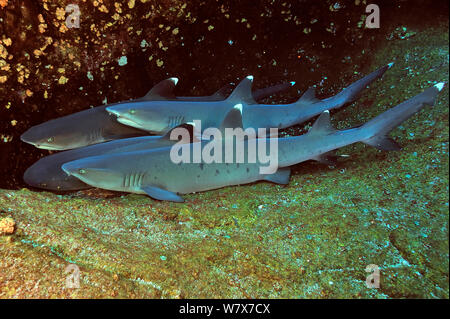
[(310, 239)]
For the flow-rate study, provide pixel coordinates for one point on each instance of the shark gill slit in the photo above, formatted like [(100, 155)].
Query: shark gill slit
[(175, 120), (96, 135), (133, 180)]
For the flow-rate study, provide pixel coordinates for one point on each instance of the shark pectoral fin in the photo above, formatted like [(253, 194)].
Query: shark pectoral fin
[(243, 92), (281, 176), (308, 97), (162, 194), (162, 90), (328, 158), (322, 126), (383, 143)]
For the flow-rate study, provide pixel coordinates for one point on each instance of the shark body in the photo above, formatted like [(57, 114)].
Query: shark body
[(159, 117), (46, 173), (96, 125), (153, 173)]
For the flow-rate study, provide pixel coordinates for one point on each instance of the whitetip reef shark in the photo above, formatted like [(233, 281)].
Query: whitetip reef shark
[(46, 173), (153, 173), (159, 117), (96, 125)]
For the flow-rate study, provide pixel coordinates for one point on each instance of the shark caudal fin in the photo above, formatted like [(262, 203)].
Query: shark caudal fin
[(350, 93), (378, 128), (347, 95), (271, 90)]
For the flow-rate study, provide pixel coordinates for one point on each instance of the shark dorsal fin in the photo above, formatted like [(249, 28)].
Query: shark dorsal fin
[(222, 93), (309, 96), (190, 127), (162, 90), (322, 126), (243, 92), (233, 119)]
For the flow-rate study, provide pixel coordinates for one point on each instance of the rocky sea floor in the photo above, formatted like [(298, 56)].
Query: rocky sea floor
[(313, 238)]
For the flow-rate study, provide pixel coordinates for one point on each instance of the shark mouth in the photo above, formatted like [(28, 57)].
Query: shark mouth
[(122, 119), (128, 122), (47, 147)]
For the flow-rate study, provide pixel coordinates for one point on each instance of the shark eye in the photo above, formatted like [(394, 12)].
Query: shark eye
[(82, 171), (50, 139), (132, 111)]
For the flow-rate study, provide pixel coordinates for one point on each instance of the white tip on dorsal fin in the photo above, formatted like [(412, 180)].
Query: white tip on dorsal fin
[(233, 119), (309, 96), (322, 125), (162, 90), (390, 65), (243, 92), (439, 86)]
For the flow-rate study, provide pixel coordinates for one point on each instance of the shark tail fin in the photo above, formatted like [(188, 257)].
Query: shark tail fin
[(347, 95), (350, 93), (379, 127), (271, 90)]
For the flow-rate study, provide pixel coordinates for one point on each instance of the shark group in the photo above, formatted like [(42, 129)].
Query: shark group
[(109, 146)]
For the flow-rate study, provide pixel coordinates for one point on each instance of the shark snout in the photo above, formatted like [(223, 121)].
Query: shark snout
[(72, 168), (27, 137), (33, 137)]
